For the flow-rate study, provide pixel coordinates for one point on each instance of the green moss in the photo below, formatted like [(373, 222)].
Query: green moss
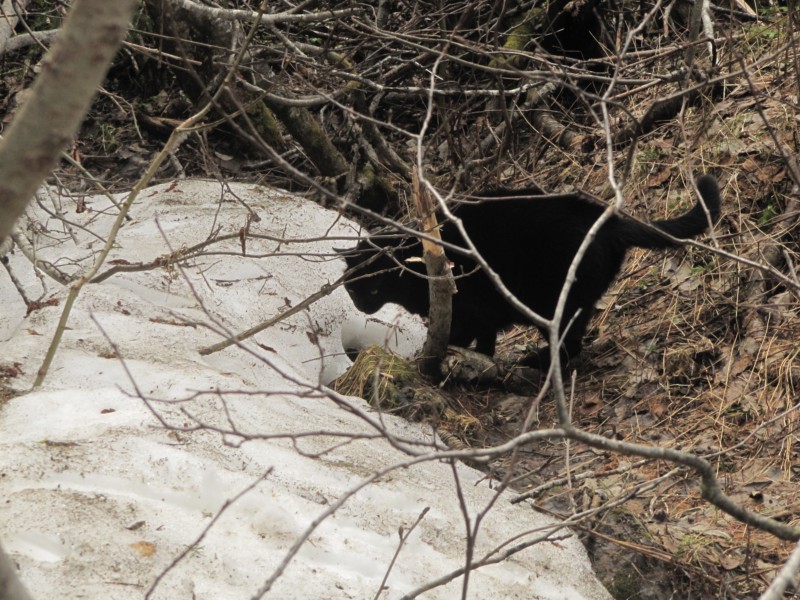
[(267, 125), (626, 585), (383, 379), (517, 41), (376, 193)]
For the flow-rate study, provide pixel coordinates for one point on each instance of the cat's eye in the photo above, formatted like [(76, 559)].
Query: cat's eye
[(373, 292)]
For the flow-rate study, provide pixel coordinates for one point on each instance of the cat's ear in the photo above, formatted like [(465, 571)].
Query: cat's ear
[(347, 252)]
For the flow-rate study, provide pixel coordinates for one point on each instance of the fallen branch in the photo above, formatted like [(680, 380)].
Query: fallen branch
[(260, 18)]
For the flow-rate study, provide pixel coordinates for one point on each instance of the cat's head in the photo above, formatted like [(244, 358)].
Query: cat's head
[(385, 269)]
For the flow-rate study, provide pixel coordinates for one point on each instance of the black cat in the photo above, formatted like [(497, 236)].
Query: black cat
[(529, 240)]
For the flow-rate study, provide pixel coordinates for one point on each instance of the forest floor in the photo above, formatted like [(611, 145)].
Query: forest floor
[(689, 350)]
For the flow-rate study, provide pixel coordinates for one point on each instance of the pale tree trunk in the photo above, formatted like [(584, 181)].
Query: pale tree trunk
[(46, 123), (10, 586), (60, 98)]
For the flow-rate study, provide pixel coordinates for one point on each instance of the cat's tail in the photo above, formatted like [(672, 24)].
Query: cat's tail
[(688, 225)]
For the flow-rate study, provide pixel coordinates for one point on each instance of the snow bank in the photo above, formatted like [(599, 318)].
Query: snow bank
[(104, 489)]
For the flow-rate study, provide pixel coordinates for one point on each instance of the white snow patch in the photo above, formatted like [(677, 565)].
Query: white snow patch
[(99, 497)]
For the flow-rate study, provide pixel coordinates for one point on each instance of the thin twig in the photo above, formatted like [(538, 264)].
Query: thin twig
[(228, 503)]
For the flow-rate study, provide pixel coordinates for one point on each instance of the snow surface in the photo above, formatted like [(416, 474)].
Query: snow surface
[(103, 489)]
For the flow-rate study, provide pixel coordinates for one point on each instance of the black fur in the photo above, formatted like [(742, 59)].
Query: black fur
[(529, 240)]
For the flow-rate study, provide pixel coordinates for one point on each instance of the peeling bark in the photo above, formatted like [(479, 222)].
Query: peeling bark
[(441, 284)]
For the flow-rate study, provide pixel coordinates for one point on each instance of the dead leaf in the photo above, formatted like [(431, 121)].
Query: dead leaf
[(656, 179), (145, 549), (657, 408), (771, 174), (593, 402), (731, 560), (750, 165)]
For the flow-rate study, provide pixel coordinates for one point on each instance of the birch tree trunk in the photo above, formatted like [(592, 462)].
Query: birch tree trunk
[(44, 126), (60, 99)]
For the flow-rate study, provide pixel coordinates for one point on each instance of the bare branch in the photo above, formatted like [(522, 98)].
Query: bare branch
[(787, 577), (264, 19)]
